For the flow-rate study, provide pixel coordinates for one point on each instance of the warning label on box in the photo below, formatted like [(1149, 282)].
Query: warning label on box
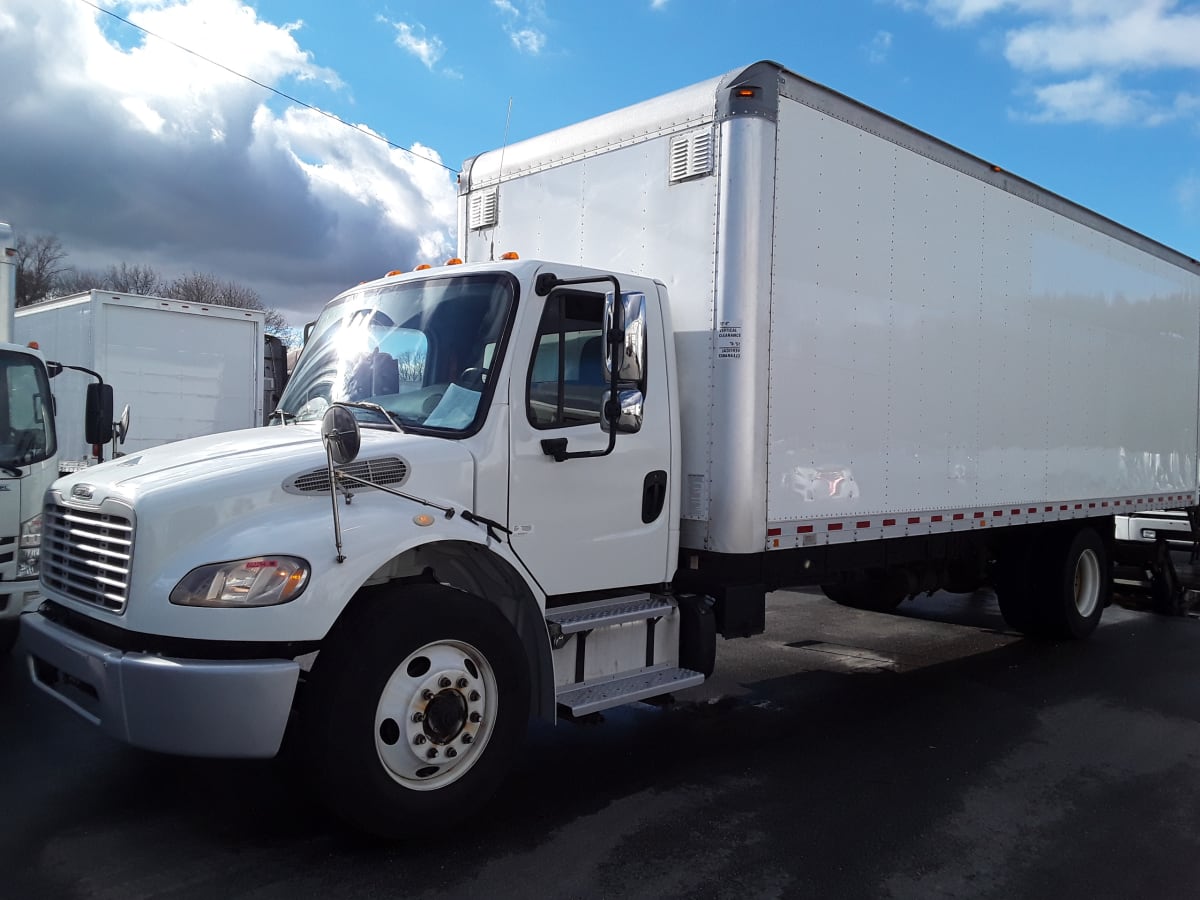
[(729, 340)]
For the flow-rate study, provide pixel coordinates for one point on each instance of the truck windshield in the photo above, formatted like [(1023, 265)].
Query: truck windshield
[(26, 420), (419, 349)]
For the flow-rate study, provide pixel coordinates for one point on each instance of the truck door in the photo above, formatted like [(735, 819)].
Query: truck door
[(596, 522)]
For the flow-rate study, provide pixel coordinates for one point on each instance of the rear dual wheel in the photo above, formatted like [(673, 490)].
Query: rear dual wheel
[(1056, 586)]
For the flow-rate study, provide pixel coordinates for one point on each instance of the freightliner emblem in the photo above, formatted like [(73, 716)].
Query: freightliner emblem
[(82, 491)]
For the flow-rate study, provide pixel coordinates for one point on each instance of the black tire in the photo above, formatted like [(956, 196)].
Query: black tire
[(1017, 589), (1077, 584), (423, 649), (877, 593), (8, 635), (1056, 586)]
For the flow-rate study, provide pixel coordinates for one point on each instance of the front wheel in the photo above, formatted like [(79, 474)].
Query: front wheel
[(415, 710)]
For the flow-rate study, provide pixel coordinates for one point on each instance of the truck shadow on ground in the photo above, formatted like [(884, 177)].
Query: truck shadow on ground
[(845, 768)]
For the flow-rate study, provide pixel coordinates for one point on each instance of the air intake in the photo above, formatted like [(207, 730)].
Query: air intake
[(388, 471)]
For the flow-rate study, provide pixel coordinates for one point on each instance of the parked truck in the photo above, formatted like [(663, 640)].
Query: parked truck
[(185, 369), (751, 334), (28, 449)]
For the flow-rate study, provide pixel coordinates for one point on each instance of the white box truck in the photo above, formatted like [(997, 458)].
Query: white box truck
[(757, 335), (28, 450), (184, 369)]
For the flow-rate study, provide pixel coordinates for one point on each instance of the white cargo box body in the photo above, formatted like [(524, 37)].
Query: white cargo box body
[(185, 369), (878, 335)]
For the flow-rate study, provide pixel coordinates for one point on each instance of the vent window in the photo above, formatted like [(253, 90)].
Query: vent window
[(484, 208), (691, 155)]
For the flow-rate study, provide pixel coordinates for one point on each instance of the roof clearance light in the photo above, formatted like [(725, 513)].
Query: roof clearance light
[(511, 254), (33, 345), (747, 92), (394, 272), (454, 261), (422, 267)]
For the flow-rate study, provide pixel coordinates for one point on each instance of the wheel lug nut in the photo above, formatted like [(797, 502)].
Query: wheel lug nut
[(431, 753), (444, 682), (426, 694), (466, 739), (418, 717), (474, 695), (462, 682), (476, 718), (419, 740), (451, 753)]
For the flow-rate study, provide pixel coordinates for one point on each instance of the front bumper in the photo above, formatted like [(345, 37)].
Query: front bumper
[(191, 707)]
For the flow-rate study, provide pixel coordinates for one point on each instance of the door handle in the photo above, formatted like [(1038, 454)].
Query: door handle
[(654, 495)]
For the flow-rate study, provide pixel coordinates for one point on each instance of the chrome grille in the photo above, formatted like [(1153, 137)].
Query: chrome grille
[(388, 470), (86, 555)]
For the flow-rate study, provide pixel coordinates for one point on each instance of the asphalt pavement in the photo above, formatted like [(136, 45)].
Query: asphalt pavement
[(843, 754)]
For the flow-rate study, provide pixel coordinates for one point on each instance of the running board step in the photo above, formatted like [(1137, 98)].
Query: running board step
[(587, 616), (593, 696)]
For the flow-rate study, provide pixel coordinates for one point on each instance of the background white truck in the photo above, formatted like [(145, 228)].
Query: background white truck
[(185, 369), (759, 335), (28, 450)]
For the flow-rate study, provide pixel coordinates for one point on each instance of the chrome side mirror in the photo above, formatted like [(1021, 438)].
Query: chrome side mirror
[(633, 352), (630, 420)]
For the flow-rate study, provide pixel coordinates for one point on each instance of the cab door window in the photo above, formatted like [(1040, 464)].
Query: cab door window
[(567, 377)]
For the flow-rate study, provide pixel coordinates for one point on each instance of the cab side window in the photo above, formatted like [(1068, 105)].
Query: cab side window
[(567, 378)]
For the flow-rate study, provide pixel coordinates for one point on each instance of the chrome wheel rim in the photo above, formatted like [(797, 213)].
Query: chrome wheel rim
[(435, 715)]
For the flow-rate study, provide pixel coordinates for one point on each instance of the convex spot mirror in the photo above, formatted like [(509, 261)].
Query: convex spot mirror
[(98, 414), (630, 419), (632, 354), (340, 434), (122, 426)]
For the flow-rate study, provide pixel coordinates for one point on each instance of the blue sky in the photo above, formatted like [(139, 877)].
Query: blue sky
[(133, 151)]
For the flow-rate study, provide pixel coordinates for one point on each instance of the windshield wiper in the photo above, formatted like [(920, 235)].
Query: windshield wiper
[(374, 407), (284, 416)]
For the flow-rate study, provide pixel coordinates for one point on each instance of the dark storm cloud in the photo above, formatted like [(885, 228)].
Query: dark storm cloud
[(145, 156)]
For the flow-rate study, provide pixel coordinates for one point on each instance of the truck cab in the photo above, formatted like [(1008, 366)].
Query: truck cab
[(28, 464), (498, 543)]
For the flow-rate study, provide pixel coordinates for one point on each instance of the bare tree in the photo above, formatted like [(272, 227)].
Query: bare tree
[(41, 274), (134, 279), (39, 264), (73, 281), (202, 287)]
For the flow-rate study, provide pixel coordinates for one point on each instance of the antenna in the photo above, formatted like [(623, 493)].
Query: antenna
[(499, 175)]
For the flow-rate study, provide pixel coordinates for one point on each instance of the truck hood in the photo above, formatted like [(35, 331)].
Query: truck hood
[(276, 456)]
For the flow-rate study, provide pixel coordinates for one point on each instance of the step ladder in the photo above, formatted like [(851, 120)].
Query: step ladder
[(583, 697)]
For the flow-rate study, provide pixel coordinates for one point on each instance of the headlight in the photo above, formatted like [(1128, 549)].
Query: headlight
[(29, 551), (258, 581)]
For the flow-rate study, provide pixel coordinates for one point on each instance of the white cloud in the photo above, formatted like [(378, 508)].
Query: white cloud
[(521, 26), (1093, 99), (1147, 37), (1099, 43), (528, 40), (412, 39), (658, 4), (144, 154), (881, 44)]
